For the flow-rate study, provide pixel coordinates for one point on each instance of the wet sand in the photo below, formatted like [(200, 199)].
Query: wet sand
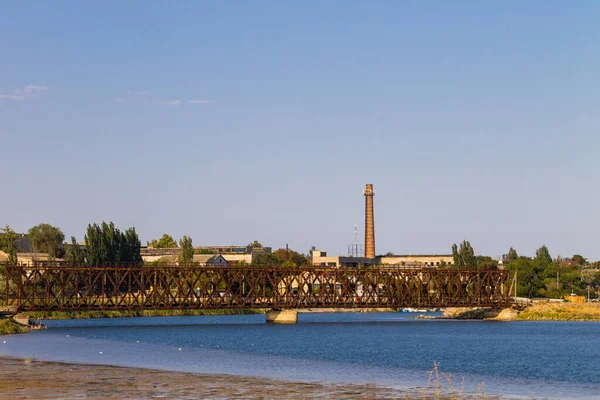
[(23, 379)]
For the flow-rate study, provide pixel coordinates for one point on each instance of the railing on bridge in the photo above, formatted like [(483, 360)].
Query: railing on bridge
[(57, 286)]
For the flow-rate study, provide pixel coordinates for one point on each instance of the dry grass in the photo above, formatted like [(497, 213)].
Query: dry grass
[(440, 386), (561, 312)]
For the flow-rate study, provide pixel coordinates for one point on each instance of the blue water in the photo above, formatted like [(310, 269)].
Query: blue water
[(530, 359)]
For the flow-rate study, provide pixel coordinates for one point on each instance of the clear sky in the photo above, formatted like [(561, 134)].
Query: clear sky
[(241, 120)]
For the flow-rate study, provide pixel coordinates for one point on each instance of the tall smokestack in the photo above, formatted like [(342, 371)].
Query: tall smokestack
[(369, 222)]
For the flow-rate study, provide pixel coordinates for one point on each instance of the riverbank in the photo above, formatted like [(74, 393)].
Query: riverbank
[(544, 311), (138, 313), (50, 380), (9, 327), (561, 312)]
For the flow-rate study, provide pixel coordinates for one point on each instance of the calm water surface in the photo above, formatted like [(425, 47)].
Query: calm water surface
[(529, 359)]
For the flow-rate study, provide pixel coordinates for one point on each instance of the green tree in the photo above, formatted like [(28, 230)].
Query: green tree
[(485, 263), (529, 276), (543, 255), (579, 259), (290, 258), (510, 256), (130, 247), (106, 244), (464, 257), (8, 243), (255, 244), (187, 249), (165, 242), (265, 260), (74, 253), (45, 238)]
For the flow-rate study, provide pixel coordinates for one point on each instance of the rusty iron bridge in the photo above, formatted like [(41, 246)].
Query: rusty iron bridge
[(63, 287)]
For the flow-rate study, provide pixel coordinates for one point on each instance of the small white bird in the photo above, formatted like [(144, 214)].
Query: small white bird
[(179, 349), (99, 352), (67, 335), (4, 342), (137, 341)]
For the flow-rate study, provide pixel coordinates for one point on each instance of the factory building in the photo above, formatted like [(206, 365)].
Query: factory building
[(320, 257)]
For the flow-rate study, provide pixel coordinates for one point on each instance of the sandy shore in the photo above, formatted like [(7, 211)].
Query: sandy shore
[(23, 379), (538, 311)]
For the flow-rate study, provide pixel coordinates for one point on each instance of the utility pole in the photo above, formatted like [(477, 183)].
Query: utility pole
[(588, 293)]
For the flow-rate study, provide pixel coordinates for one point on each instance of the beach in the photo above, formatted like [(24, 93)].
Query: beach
[(29, 379)]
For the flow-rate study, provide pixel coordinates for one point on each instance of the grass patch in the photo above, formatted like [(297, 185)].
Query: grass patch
[(9, 327), (561, 312), (137, 313)]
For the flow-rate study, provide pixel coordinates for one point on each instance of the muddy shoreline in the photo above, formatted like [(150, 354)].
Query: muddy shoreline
[(30, 379)]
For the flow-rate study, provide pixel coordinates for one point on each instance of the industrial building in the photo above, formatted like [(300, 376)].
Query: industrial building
[(355, 258)]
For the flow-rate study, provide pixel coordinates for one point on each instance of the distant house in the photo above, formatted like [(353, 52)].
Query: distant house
[(211, 260), (30, 258), (567, 262)]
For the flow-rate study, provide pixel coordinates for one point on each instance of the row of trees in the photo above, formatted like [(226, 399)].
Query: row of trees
[(166, 241), (43, 238), (103, 243), (464, 258), (538, 276), (282, 257), (106, 243), (543, 276)]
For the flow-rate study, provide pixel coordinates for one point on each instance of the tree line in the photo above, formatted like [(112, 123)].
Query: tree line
[(105, 243), (543, 276), (538, 276)]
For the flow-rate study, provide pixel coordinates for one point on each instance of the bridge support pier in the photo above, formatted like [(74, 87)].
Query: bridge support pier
[(282, 316)]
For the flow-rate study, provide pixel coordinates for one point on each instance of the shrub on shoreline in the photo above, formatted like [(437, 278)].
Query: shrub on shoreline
[(137, 313), (9, 327)]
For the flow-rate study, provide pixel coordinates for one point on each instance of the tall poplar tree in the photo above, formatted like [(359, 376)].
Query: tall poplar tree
[(542, 255), (107, 244), (187, 249), (464, 257)]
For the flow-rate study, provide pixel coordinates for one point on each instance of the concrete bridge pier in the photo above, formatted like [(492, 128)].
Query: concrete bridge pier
[(282, 316)]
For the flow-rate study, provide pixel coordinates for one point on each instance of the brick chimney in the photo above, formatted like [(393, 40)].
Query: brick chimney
[(369, 222)]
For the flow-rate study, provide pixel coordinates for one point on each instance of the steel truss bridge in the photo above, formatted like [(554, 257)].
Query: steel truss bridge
[(62, 287)]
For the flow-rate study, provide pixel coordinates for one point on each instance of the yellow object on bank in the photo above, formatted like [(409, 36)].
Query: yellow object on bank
[(575, 299)]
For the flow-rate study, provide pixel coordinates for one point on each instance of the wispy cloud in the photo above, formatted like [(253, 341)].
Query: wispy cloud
[(170, 103), (27, 93), (138, 93), (132, 94)]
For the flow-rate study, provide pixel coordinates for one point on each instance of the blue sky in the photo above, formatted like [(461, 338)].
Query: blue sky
[(234, 121)]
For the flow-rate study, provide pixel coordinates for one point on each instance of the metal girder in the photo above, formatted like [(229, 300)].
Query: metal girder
[(62, 287)]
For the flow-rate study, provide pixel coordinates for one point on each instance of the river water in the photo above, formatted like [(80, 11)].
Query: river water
[(517, 359)]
